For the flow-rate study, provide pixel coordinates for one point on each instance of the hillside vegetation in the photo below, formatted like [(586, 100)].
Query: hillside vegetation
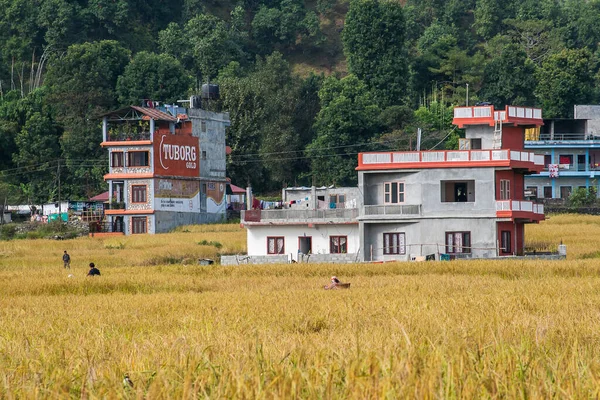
[(503, 328), (308, 84)]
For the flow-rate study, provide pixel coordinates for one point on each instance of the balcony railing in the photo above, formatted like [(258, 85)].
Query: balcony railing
[(299, 215), (393, 209), (126, 136), (117, 205), (412, 157), (513, 205)]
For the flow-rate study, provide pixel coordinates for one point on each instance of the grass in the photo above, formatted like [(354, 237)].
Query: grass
[(495, 329)]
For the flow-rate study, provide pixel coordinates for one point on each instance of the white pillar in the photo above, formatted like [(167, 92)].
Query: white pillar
[(104, 129)]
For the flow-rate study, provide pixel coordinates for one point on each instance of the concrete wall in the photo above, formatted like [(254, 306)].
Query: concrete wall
[(424, 187), (257, 237), (167, 220), (428, 236), (242, 259), (289, 194), (483, 132), (212, 141)]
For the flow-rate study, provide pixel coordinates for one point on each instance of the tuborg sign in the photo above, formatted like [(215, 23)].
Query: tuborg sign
[(176, 155)]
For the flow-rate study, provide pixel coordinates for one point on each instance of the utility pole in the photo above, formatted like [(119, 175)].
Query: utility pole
[(467, 95), (59, 206)]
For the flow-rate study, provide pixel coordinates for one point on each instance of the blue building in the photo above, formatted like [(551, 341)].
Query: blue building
[(571, 150)]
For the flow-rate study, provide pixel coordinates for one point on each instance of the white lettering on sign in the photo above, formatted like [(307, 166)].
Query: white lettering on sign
[(175, 152)]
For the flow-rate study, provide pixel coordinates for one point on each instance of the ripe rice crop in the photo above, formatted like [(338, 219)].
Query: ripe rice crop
[(459, 329)]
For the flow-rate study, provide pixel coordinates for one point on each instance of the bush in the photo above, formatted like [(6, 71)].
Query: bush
[(582, 197), (8, 231)]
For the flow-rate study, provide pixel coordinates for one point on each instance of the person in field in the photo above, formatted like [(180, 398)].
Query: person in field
[(93, 270), (335, 283), (67, 260)]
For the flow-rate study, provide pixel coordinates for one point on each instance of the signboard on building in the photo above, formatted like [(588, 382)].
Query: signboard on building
[(177, 195), (176, 155)]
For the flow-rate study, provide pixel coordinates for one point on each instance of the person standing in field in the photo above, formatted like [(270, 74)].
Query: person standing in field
[(93, 270), (67, 260)]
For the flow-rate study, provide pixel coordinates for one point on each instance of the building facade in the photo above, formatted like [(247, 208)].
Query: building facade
[(411, 205), (166, 168), (571, 151)]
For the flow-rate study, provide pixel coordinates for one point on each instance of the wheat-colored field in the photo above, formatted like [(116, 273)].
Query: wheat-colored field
[(460, 329)]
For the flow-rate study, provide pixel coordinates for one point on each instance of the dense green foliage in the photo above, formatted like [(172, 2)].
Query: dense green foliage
[(308, 84)]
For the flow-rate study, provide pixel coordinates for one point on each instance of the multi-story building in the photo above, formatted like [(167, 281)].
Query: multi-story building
[(167, 167), (571, 151), (461, 203)]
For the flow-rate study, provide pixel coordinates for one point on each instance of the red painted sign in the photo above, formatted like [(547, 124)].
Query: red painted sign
[(176, 155)]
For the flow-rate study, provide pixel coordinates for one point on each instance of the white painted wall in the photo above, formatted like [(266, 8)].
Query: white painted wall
[(257, 237)]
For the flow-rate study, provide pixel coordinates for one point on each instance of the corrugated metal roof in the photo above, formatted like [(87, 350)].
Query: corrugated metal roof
[(155, 114)]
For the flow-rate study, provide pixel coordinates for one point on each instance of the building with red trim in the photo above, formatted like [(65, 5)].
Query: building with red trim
[(466, 203), (166, 168)]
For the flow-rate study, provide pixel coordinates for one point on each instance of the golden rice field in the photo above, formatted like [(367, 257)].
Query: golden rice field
[(460, 329)]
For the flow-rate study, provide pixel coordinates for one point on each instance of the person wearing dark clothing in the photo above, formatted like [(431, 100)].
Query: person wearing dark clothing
[(93, 270), (67, 260)]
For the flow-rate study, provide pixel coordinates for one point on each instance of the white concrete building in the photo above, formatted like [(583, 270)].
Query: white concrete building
[(409, 205)]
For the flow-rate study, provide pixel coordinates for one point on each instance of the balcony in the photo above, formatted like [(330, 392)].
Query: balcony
[(294, 217), (451, 159), (128, 136), (392, 210), (117, 205), (486, 115), (519, 210)]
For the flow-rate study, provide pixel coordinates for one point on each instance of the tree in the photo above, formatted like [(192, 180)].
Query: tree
[(508, 77), (83, 80), (565, 79), (82, 86), (373, 37), (346, 121), (152, 76), (271, 114)]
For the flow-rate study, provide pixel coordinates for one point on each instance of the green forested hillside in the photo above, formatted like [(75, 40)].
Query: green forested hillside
[(309, 84)]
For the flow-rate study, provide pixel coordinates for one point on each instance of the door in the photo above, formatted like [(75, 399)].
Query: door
[(581, 162), (460, 191), (304, 244)]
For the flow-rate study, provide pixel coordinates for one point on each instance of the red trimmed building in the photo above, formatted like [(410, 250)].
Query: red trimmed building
[(167, 168), (466, 203)]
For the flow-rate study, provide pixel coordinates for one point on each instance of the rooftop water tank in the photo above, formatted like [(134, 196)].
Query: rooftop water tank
[(210, 91)]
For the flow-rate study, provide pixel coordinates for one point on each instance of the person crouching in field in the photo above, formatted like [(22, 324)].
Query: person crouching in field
[(336, 284), (67, 260), (93, 270)]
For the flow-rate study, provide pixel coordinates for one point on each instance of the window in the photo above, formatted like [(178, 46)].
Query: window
[(504, 189), (547, 160), (475, 144), (138, 193), (337, 198), (116, 159), (565, 159), (275, 245), (457, 191), (138, 224), (547, 192), (581, 164), (458, 242), (393, 192), (204, 154), (338, 244), (505, 241), (138, 159), (394, 243), (531, 192), (565, 192), (203, 126)]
